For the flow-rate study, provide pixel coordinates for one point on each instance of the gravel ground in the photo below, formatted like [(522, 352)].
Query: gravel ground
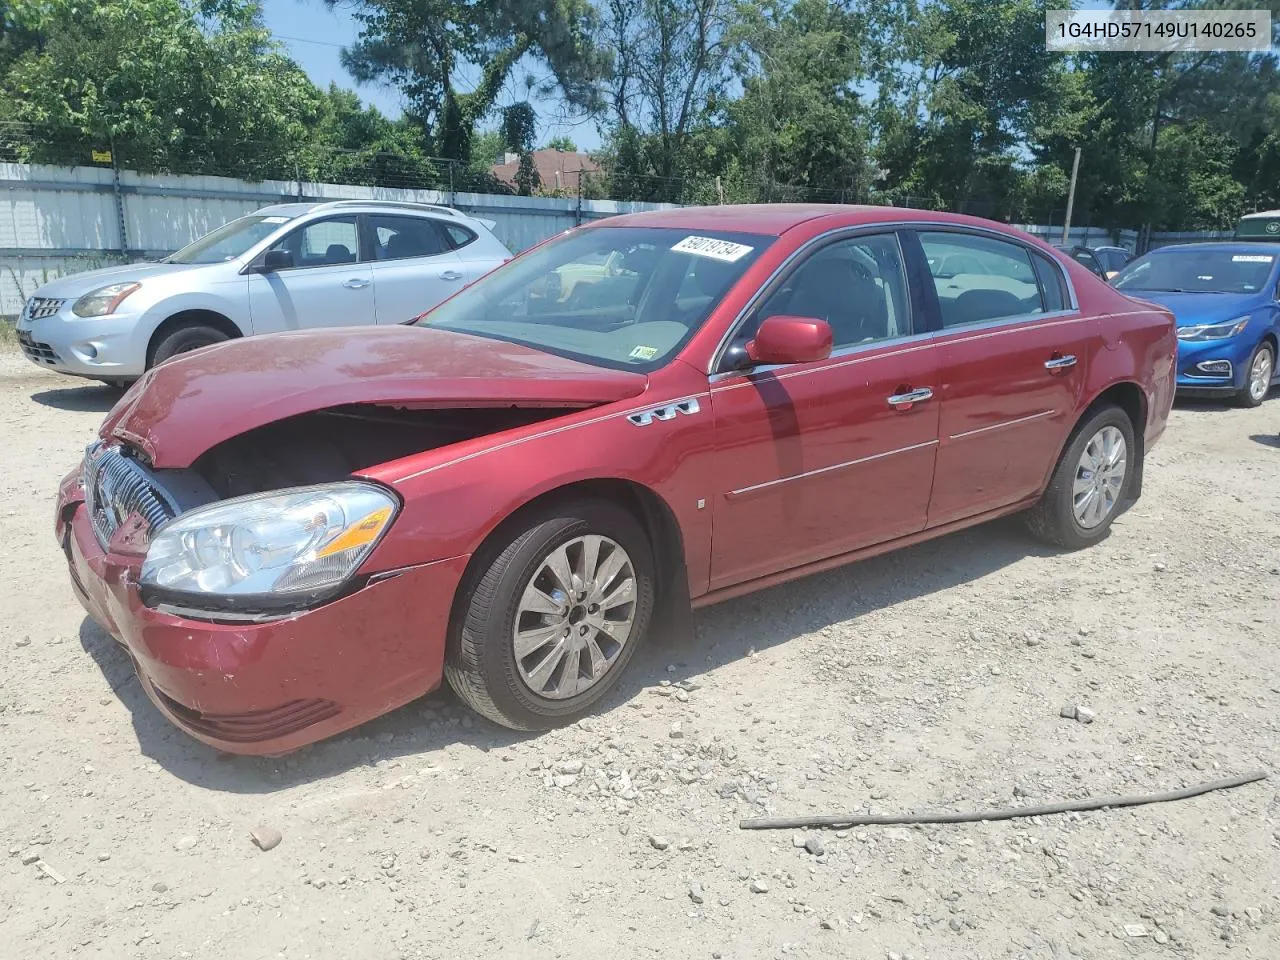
[(931, 678)]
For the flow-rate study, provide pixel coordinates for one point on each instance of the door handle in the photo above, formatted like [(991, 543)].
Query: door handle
[(904, 401), (356, 283), (1060, 363), (450, 275)]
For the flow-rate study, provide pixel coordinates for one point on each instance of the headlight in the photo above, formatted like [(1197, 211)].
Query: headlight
[(1214, 331), (284, 549), (104, 301)]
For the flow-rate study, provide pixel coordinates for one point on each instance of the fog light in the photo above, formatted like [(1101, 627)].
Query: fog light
[(1215, 368), (90, 351)]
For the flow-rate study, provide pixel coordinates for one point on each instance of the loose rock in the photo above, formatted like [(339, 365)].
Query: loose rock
[(265, 838)]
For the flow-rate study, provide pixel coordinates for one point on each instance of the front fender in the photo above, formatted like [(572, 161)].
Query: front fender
[(455, 498)]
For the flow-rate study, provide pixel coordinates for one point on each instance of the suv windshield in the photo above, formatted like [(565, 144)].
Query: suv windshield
[(621, 297), (1197, 271), (230, 240)]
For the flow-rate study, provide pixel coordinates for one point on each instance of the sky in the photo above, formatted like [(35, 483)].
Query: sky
[(315, 35)]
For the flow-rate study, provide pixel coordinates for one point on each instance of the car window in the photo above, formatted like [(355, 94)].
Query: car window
[(1088, 259), (230, 240), (1053, 286), (323, 243), (1198, 270), (622, 297), (980, 278), (457, 236), (400, 238), (857, 285), (1113, 259)]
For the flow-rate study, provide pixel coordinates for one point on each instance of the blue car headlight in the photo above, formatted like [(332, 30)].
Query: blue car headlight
[(1213, 331)]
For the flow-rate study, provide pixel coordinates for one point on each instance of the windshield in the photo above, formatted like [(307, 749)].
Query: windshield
[(229, 240), (1197, 271), (621, 297)]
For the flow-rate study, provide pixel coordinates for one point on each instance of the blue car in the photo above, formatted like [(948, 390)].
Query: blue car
[(1226, 298)]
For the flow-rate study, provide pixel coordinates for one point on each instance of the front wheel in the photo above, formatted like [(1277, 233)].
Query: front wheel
[(1088, 484), (546, 628), (1257, 379), (184, 338)]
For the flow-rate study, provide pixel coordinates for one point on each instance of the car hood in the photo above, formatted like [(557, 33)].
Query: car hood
[(1191, 309), (78, 284), (188, 405)]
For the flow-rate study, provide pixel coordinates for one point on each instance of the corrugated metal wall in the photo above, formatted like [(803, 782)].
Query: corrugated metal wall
[(57, 220)]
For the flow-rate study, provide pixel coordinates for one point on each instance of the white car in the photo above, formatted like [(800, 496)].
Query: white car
[(284, 267)]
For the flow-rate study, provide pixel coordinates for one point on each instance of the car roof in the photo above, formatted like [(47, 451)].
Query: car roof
[(775, 219), (297, 209), (1222, 246)]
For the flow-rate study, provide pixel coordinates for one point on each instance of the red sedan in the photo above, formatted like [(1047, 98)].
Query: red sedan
[(296, 533)]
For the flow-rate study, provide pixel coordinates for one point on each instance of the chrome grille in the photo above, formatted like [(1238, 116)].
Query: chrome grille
[(40, 307), (116, 487)]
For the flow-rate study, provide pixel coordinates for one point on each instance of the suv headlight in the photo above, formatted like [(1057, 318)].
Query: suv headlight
[(104, 301), (1214, 331), (280, 550)]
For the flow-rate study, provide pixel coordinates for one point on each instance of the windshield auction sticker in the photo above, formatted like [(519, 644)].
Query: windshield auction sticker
[(1251, 258), (724, 250), (1127, 31)]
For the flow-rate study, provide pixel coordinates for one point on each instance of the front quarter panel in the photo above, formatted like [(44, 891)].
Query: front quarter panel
[(455, 497)]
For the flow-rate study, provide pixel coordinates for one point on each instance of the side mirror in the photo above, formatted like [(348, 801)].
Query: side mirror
[(783, 339), (273, 260)]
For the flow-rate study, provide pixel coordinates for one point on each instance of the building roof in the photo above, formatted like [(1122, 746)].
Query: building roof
[(557, 169)]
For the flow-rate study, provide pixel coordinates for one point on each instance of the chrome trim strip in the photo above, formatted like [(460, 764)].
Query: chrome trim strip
[(668, 411), (1000, 426), (545, 433), (835, 466)]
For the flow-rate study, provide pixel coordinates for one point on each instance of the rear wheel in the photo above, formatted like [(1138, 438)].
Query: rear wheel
[(184, 338), (1257, 378), (547, 626), (1089, 483)]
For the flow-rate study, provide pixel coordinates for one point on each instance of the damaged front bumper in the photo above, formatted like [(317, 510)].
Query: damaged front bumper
[(273, 686)]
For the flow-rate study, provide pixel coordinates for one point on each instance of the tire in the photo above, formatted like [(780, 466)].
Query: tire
[(481, 662), (1251, 395), (1054, 519), (184, 338)]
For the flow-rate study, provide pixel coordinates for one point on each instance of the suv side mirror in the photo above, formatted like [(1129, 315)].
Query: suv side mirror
[(784, 339), (273, 260)]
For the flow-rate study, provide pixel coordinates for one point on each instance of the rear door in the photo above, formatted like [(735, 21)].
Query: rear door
[(818, 459), (1013, 351), (414, 265), (329, 285)]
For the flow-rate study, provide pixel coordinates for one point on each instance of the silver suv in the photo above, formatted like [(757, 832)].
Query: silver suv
[(285, 267)]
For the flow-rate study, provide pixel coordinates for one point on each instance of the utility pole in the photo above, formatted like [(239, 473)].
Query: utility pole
[(1071, 196)]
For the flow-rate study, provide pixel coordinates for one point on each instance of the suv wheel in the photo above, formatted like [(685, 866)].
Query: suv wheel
[(184, 338)]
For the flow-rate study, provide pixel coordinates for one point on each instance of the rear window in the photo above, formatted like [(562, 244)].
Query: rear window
[(458, 237)]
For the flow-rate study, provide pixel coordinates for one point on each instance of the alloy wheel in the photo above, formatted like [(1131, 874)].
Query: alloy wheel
[(1100, 476), (574, 617)]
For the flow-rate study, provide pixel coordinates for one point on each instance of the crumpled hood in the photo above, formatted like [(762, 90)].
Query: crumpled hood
[(1192, 309), (186, 406), (76, 285)]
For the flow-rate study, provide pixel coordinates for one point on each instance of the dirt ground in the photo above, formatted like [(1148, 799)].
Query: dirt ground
[(931, 678)]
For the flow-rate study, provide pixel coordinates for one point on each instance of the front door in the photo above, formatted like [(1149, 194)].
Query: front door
[(818, 459), (329, 285), (1013, 353)]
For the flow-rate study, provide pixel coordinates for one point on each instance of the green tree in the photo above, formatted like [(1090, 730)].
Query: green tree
[(798, 121), (168, 84), (425, 47), (562, 143)]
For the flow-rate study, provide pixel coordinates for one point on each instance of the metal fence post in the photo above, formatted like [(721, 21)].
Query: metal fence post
[(119, 198)]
